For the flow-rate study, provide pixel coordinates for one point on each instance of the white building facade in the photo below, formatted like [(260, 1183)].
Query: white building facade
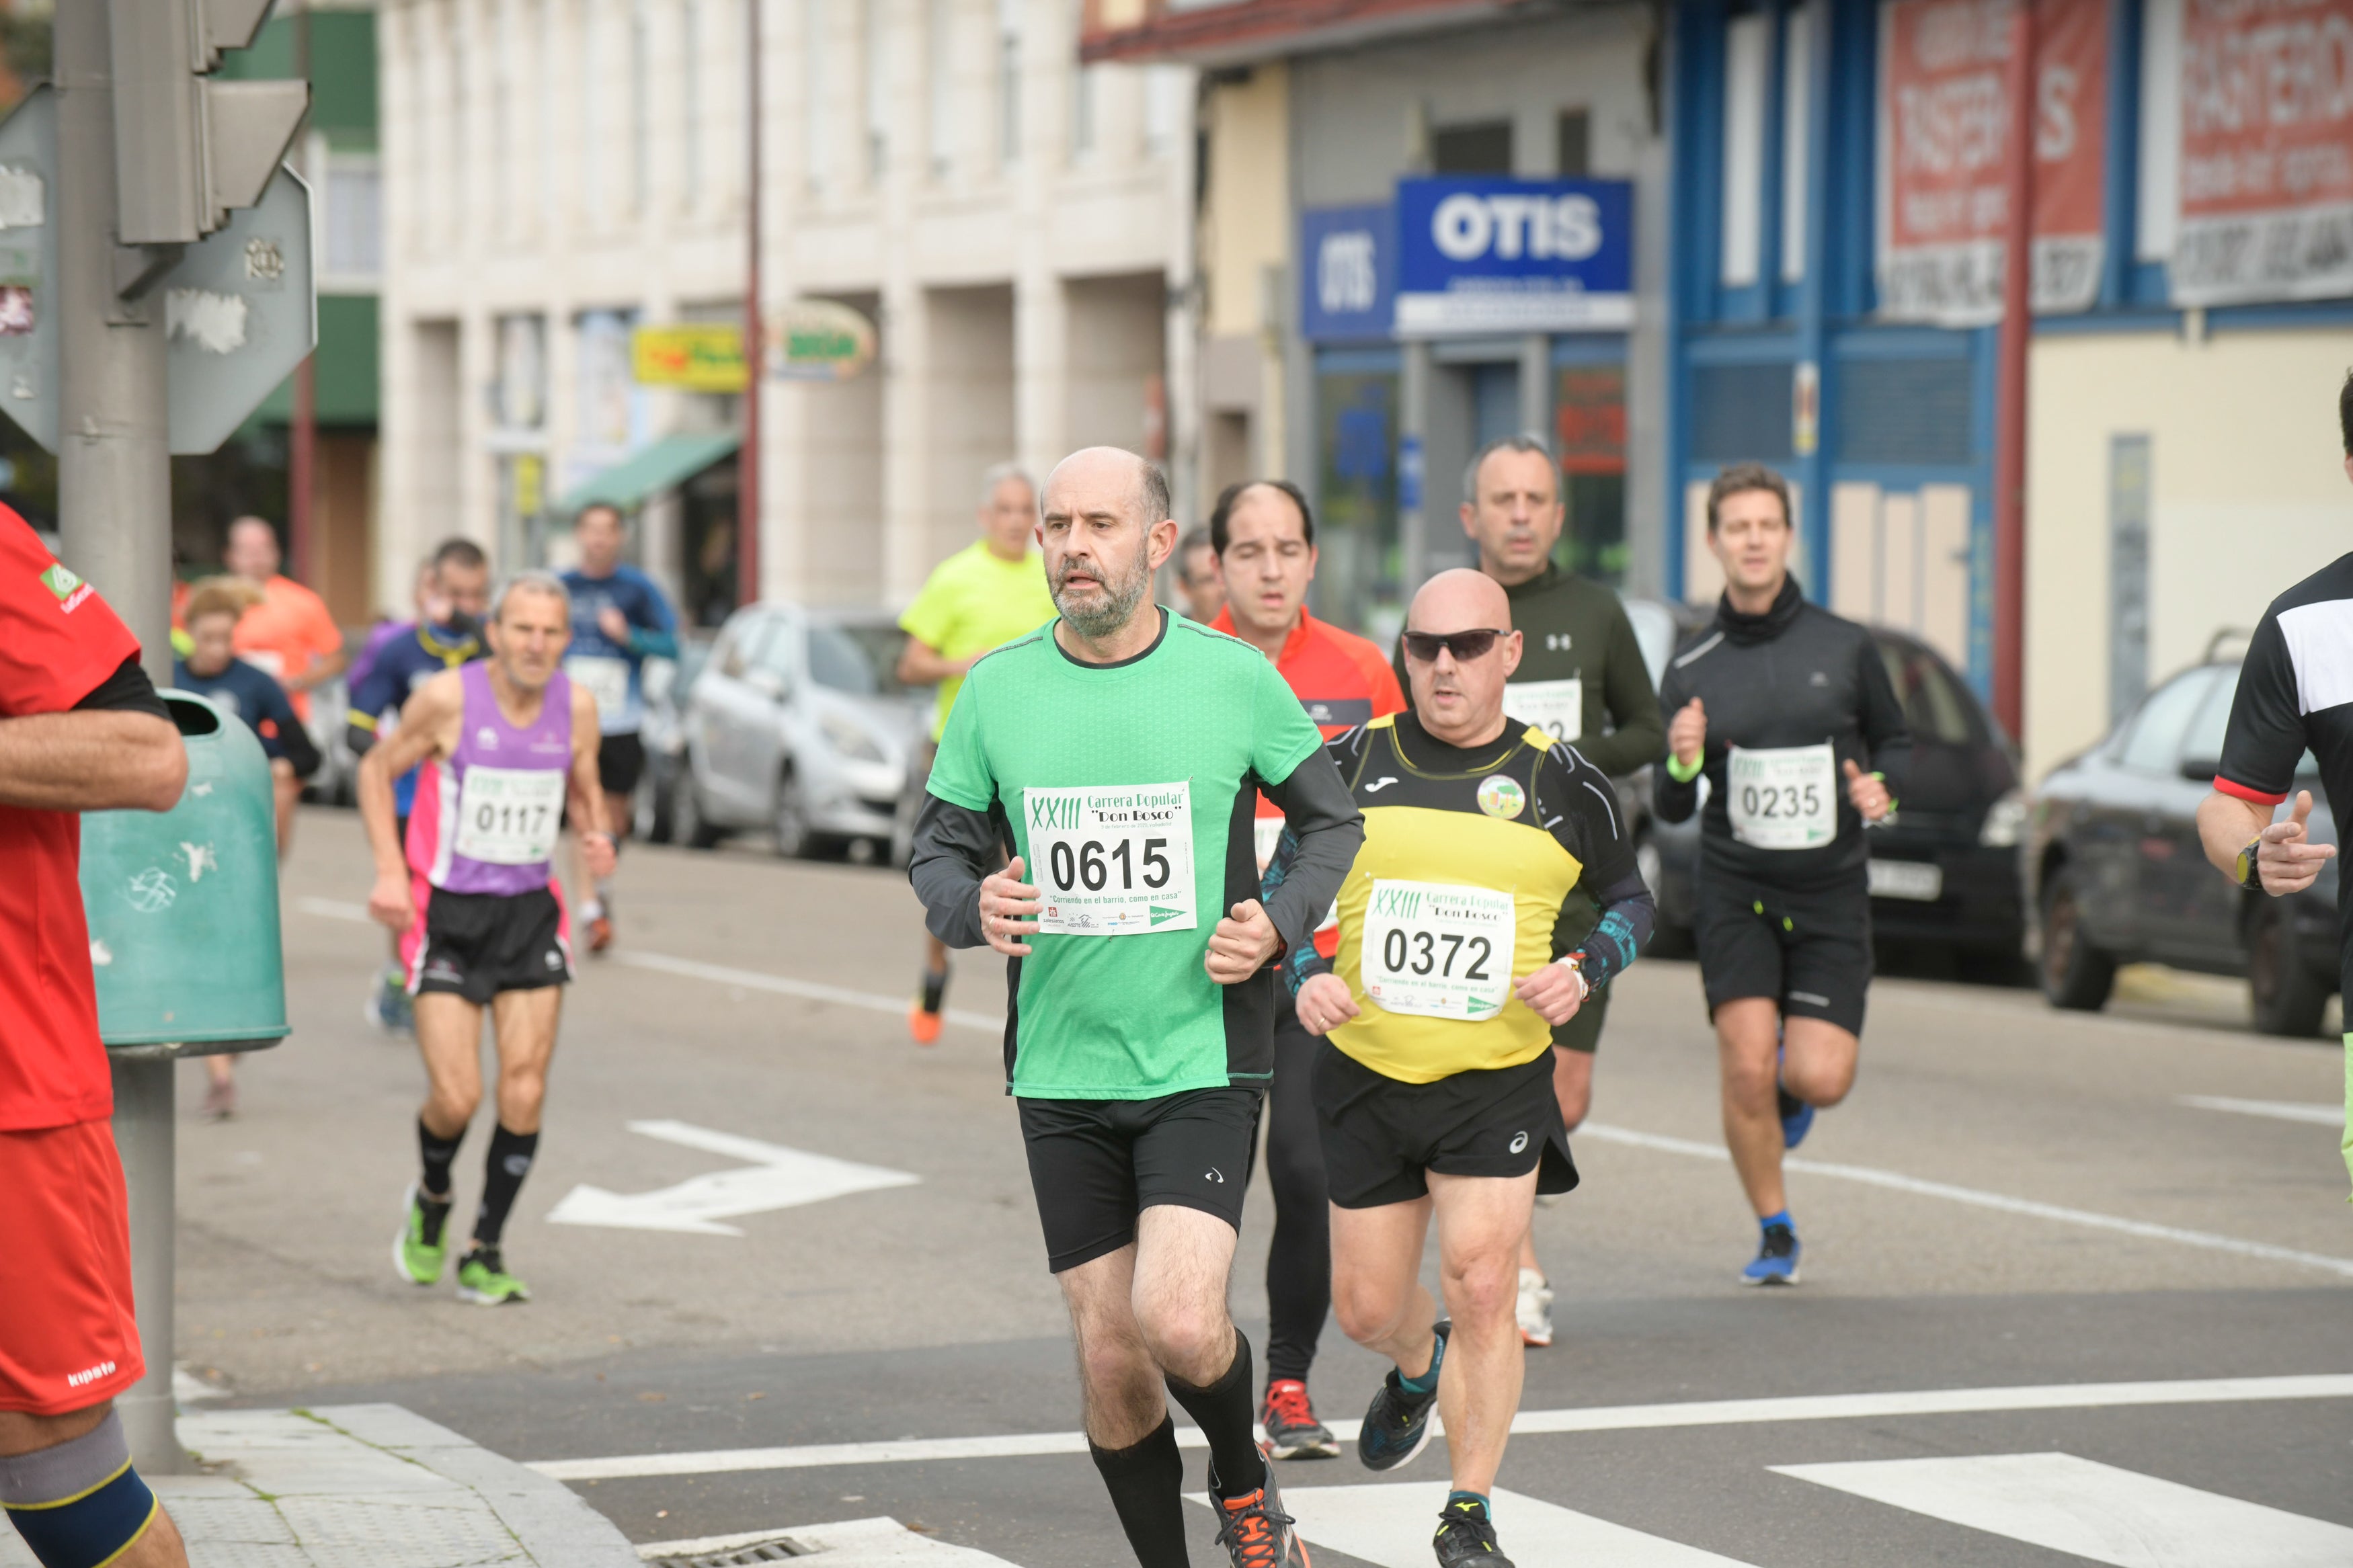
[(559, 172)]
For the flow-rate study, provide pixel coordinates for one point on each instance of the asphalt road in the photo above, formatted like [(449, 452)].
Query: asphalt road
[(2013, 1199)]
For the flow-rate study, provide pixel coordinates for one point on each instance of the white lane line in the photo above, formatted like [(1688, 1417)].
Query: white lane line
[(1896, 1180), (1391, 1526), (2094, 1511), (881, 1542), (2320, 1113), (1589, 1418), (720, 974)]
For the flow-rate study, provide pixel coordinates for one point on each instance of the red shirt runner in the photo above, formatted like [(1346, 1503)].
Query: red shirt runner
[(59, 643), (1343, 680)]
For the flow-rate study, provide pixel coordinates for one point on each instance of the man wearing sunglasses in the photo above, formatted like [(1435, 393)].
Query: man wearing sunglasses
[(1466, 938), (1788, 712), (1265, 537), (1581, 679)]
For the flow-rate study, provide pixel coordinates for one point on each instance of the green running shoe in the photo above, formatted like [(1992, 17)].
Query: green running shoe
[(418, 1251), (483, 1280)]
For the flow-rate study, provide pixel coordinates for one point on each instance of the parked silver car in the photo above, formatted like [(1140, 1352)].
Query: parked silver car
[(798, 725)]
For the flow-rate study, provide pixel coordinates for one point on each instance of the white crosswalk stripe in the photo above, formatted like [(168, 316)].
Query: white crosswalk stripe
[(2094, 1511), (850, 1543), (1392, 1526)]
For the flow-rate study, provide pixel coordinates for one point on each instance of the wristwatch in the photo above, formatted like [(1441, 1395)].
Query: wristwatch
[(2251, 875)]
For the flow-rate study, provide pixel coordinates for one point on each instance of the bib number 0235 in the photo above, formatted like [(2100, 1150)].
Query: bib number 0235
[(1782, 798), (1113, 861), (1438, 948)]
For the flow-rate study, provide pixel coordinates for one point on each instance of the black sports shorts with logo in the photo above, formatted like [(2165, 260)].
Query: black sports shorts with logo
[(477, 945), (1808, 951), (1095, 1164), (1383, 1136)]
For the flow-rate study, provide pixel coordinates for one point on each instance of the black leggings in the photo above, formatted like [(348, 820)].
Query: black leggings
[(1299, 1263)]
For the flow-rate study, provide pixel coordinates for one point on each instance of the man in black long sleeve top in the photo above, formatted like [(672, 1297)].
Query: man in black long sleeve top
[(1788, 712)]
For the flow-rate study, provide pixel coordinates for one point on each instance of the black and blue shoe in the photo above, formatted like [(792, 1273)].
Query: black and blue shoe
[(1777, 1257), (1396, 1426), (1466, 1538), (1796, 1117)]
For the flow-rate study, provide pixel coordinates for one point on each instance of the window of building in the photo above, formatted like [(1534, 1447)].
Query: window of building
[(353, 232), (878, 91), (1747, 48), (813, 84), (2159, 206), (1483, 148), (1740, 413), (1358, 574), (689, 105), (939, 83), (1904, 411), (1083, 80), (1167, 107), (1572, 138), (1009, 82), (1796, 134), (1590, 434)]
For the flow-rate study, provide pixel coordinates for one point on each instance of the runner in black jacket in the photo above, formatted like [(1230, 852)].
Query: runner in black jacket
[(1789, 714)]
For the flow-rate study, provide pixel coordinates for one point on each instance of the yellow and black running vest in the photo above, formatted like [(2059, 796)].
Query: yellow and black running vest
[(1424, 833)]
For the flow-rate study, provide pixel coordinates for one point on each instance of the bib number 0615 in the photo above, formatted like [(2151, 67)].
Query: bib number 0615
[(1089, 864)]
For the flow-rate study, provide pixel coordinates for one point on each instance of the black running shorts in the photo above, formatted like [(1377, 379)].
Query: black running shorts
[(1811, 952), (620, 763), (477, 945), (1095, 1164), (1381, 1136)]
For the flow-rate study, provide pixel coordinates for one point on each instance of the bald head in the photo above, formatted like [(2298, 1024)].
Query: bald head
[(1100, 470), (252, 550), (1458, 693), (1106, 529)]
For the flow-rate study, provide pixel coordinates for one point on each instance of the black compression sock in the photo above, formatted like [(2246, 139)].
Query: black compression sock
[(438, 1153), (1223, 1410), (502, 1172), (935, 989), (1146, 1483)]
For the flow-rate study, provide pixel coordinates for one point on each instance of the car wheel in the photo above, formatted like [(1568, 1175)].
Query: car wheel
[(2286, 997), (790, 819), (2076, 973), (687, 824)]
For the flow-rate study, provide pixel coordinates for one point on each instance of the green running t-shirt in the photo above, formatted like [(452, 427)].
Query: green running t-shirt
[(1129, 789)]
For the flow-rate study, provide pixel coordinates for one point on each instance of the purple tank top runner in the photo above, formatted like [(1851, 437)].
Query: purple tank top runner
[(497, 801)]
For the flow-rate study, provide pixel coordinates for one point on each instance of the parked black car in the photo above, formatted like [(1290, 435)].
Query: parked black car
[(1944, 870), (2118, 875)]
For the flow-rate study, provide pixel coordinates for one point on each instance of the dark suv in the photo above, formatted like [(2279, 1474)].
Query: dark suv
[(2118, 875)]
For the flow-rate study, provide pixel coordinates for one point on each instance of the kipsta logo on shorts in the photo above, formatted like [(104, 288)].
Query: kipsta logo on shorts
[(555, 959), (1500, 796), (1519, 1142)]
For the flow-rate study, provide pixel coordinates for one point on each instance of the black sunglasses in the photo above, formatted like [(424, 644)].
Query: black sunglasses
[(1422, 647)]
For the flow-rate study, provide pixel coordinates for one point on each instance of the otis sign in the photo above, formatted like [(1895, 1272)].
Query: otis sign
[(1491, 255)]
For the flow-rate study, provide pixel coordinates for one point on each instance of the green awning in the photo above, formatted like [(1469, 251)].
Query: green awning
[(668, 463)]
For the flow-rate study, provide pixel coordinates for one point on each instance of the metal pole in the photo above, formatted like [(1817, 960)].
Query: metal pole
[(114, 489), (747, 460), (302, 440), (1413, 478), (2009, 391)]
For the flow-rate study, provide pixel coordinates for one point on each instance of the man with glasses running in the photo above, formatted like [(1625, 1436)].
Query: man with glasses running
[(1788, 712), (1486, 842)]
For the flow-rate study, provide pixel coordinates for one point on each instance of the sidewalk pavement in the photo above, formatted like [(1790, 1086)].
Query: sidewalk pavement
[(366, 1486)]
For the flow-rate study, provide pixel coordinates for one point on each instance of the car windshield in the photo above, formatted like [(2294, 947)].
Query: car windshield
[(858, 658), (1933, 706)]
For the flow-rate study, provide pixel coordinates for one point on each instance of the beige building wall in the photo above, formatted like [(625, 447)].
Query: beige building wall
[(1244, 249), (2248, 495)]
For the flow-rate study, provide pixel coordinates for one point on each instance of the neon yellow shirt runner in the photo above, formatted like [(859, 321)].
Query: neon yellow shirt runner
[(973, 601)]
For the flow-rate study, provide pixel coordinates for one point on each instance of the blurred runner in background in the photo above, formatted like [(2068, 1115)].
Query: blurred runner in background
[(288, 634)]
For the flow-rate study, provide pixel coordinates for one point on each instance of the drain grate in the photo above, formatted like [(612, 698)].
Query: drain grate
[(777, 1551)]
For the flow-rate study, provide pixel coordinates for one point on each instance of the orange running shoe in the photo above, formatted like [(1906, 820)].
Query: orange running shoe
[(925, 1026), (600, 932), (1254, 1531)]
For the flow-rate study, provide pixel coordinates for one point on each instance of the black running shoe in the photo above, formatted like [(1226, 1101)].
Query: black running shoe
[(1292, 1430), (1396, 1426), (1466, 1539), (1253, 1528)]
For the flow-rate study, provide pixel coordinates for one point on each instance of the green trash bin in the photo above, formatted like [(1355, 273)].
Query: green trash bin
[(183, 905)]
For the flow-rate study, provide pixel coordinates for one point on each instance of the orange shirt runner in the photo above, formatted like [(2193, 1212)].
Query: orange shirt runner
[(287, 635), (1343, 680)]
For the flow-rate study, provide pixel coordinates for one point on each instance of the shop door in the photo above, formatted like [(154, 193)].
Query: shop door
[(1901, 558)]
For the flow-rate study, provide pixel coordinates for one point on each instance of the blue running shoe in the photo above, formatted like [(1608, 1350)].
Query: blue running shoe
[(1797, 1118), (1777, 1257), (1396, 1427)]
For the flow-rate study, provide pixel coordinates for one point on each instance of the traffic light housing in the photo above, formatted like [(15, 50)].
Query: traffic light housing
[(187, 149)]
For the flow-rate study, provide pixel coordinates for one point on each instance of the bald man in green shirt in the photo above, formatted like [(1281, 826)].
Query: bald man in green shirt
[(980, 598)]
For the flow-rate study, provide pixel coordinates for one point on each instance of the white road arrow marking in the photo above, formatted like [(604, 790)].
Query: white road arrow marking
[(1391, 1525), (850, 1543), (776, 1178), (2320, 1113)]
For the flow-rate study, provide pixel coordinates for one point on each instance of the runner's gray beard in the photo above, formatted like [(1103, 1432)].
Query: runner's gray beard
[(1110, 612)]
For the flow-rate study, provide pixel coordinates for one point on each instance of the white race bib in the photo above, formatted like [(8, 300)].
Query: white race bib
[(603, 677), (508, 817), (1556, 707), (1112, 861), (268, 660), (1438, 948), (1782, 798)]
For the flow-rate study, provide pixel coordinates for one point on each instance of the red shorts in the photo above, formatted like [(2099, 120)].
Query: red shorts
[(69, 1335)]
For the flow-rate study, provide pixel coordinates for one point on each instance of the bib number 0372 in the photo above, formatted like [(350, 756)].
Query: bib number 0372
[(1438, 948), (1113, 861)]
